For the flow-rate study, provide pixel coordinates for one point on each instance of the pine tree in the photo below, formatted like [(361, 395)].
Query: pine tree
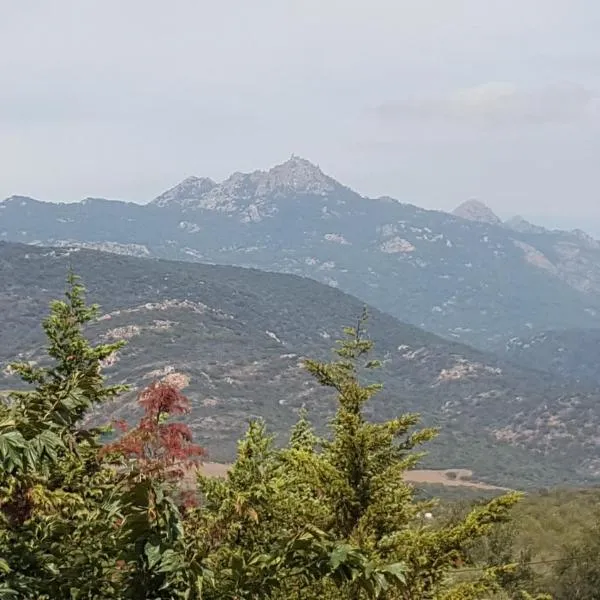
[(261, 534), (345, 493)]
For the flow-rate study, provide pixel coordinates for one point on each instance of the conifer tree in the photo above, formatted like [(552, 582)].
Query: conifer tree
[(358, 474), (58, 505), (154, 457)]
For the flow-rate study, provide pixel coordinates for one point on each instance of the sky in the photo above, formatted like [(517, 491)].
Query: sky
[(432, 102)]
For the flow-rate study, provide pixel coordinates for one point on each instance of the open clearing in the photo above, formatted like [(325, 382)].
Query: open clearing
[(461, 478), (448, 477)]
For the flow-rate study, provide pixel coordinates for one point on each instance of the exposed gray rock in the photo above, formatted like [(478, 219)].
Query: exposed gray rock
[(187, 192), (474, 210)]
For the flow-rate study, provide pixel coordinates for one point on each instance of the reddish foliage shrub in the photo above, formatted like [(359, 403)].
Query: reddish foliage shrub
[(157, 448)]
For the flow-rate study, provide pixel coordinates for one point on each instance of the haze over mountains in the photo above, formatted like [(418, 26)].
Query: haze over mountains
[(466, 276)]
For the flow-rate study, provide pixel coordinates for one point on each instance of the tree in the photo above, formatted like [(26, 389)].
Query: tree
[(58, 504), (498, 549), (371, 504), (350, 487), (154, 457)]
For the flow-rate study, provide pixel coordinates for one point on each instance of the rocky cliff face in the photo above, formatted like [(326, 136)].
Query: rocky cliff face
[(186, 193)]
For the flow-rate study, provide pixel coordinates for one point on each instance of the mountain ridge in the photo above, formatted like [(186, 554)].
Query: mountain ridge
[(477, 282), (206, 184)]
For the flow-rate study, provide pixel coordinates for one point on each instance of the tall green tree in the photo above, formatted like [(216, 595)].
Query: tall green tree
[(350, 486), (58, 504), (371, 504)]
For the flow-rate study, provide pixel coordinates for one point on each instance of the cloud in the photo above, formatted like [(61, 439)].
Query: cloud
[(500, 104)]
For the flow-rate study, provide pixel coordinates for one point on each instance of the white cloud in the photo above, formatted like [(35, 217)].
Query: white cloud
[(501, 104)]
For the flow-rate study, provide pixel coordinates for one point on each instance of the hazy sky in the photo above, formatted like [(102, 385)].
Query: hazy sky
[(430, 101)]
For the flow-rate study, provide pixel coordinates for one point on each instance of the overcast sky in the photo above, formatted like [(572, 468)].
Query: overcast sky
[(429, 101)]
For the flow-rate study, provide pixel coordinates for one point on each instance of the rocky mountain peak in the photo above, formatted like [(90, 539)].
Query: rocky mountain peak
[(296, 175), (474, 210), (296, 170), (255, 195), (243, 190), (189, 190)]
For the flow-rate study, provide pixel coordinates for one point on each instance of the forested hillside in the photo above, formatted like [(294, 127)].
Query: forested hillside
[(236, 339)]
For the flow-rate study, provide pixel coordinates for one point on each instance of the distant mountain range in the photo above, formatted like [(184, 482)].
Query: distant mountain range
[(466, 276), (235, 338)]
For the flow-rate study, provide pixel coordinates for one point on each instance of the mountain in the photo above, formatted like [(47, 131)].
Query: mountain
[(476, 281), (572, 354), (473, 210), (250, 196), (189, 191), (235, 338)]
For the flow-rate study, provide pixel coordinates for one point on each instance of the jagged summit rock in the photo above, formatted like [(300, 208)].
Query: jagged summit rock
[(186, 192), (300, 175), (294, 175), (254, 195), (251, 193), (522, 225), (474, 210)]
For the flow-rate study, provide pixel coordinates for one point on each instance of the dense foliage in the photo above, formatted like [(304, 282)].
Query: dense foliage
[(323, 517)]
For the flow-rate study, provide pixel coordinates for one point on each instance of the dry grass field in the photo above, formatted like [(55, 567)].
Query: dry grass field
[(448, 477)]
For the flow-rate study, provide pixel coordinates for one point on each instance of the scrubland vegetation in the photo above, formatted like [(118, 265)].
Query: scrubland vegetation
[(110, 512)]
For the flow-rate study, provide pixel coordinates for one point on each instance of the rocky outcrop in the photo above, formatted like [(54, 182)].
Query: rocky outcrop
[(187, 192), (474, 210)]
